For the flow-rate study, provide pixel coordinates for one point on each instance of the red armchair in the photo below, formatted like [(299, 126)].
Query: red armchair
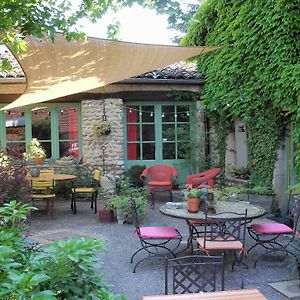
[(203, 179), (159, 178)]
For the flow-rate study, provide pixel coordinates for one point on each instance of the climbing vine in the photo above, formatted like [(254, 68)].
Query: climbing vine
[(254, 76)]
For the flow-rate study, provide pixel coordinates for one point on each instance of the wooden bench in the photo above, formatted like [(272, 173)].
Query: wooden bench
[(246, 294)]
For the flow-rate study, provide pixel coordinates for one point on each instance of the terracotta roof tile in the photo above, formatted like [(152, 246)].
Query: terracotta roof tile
[(16, 71), (179, 70)]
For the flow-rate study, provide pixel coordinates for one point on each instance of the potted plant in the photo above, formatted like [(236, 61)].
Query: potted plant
[(121, 206), (101, 128), (35, 151), (193, 197)]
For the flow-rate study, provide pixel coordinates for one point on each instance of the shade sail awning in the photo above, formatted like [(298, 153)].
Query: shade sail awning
[(60, 68)]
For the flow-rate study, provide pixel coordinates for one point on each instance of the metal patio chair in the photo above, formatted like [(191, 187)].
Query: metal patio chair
[(276, 237), (205, 179), (159, 178), (155, 241), (223, 232), (86, 190), (194, 274)]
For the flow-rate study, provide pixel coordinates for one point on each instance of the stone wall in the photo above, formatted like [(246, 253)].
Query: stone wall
[(94, 146)]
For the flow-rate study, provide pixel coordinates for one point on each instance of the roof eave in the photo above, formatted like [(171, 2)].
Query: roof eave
[(161, 81)]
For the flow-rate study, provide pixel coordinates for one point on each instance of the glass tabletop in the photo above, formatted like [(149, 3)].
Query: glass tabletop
[(179, 210)]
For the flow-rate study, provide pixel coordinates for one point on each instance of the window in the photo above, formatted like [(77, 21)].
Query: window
[(140, 132), (68, 131), (41, 127), (54, 125), (157, 132), (15, 130)]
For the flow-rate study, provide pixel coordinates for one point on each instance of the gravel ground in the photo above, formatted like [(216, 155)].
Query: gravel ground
[(149, 277)]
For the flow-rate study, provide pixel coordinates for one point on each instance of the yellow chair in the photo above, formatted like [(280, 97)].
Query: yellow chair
[(42, 190), (86, 190)]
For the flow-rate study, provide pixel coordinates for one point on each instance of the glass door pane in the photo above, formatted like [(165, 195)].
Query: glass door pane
[(15, 131)]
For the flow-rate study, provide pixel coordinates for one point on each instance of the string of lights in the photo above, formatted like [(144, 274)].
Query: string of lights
[(131, 109)]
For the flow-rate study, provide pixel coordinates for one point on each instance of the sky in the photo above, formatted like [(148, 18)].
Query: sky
[(138, 24)]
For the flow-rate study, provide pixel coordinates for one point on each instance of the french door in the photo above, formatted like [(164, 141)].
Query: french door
[(158, 134)]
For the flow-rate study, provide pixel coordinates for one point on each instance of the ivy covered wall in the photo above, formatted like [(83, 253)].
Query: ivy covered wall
[(255, 76)]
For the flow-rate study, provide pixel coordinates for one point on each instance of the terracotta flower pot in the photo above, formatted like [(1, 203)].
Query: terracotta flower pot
[(193, 205), (39, 160), (106, 217)]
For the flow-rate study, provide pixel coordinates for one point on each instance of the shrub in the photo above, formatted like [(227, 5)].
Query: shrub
[(134, 174), (121, 201), (14, 184), (63, 270)]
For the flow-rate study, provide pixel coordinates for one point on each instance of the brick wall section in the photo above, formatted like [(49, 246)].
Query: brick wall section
[(92, 111)]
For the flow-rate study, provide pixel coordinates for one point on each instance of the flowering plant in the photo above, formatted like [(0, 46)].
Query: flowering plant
[(4, 160), (34, 149), (101, 128)]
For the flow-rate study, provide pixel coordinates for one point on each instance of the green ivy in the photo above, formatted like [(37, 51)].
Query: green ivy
[(255, 76)]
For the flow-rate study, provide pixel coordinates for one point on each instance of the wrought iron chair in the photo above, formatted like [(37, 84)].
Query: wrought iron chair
[(276, 237), (154, 240), (206, 180), (84, 189), (224, 231), (42, 190), (159, 178), (194, 274)]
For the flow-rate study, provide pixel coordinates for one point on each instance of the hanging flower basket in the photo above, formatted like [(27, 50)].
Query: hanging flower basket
[(101, 128)]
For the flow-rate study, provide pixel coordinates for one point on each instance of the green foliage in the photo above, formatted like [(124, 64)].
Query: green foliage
[(240, 172), (122, 203), (232, 192), (125, 192), (134, 174), (254, 76), (63, 270), (194, 193)]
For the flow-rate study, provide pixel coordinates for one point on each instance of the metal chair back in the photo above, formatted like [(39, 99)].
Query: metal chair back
[(194, 274), (225, 227), (134, 216)]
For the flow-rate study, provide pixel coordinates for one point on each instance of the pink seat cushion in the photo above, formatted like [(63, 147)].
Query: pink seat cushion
[(271, 228), (163, 232)]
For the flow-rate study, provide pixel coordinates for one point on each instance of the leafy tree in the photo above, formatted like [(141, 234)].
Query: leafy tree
[(254, 77), (47, 17)]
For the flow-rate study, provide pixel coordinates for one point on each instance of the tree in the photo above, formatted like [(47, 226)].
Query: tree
[(254, 77), (47, 17)]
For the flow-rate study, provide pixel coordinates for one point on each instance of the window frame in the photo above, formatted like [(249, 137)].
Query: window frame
[(54, 110), (158, 130)]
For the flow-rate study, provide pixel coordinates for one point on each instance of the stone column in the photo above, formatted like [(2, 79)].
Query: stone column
[(112, 163)]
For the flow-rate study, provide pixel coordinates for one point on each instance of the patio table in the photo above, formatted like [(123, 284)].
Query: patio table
[(49, 176), (179, 210), (253, 294)]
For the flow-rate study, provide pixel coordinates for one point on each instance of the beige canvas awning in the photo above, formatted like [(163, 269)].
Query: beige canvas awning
[(60, 68)]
